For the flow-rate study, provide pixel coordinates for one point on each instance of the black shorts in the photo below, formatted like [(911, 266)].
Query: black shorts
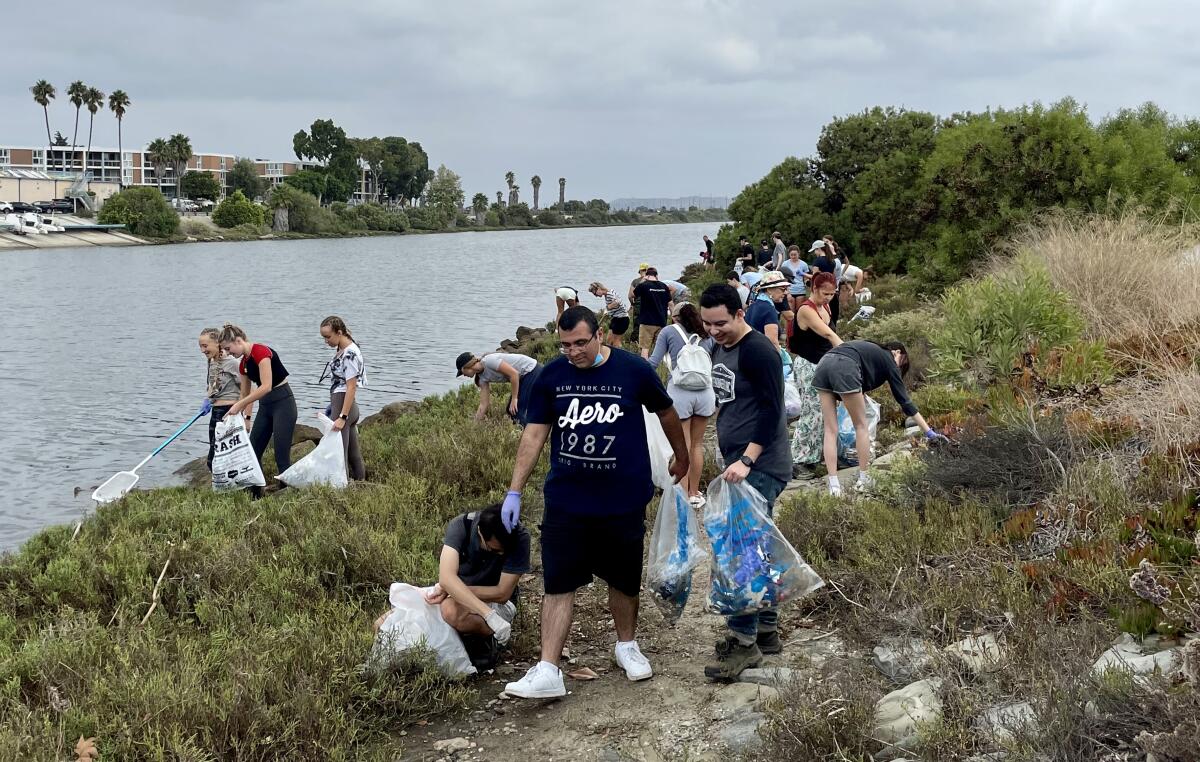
[(576, 547), (618, 326), (838, 374)]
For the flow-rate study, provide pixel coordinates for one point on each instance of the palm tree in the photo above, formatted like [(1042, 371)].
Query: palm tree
[(562, 193), (536, 182), (510, 179), (159, 154), (479, 205), (94, 100), (500, 198), (514, 195), (43, 93), (77, 91), (119, 103), (179, 154)]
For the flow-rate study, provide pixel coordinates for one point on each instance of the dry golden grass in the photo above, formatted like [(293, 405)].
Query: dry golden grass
[(1135, 280)]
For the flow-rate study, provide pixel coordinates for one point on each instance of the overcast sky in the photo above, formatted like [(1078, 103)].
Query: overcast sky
[(622, 97)]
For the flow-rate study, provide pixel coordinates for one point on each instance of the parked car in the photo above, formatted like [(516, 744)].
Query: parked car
[(20, 207), (185, 205), (5, 206), (59, 205)]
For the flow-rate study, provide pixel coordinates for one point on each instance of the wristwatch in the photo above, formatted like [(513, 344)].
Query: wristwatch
[(746, 461), (343, 417)]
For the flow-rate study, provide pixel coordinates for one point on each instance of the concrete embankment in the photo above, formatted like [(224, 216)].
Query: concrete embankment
[(69, 237)]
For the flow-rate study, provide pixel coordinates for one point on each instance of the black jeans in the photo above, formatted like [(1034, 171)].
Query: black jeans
[(275, 421), (217, 414)]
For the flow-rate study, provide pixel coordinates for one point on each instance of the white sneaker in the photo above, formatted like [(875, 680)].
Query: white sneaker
[(629, 658), (696, 501), (541, 681)]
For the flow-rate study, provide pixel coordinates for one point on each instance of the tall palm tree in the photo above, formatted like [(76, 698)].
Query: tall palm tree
[(77, 92), (119, 103), (180, 154), (514, 195), (94, 100), (159, 154), (479, 206), (43, 93), (536, 182), (499, 198), (510, 180), (562, 193)]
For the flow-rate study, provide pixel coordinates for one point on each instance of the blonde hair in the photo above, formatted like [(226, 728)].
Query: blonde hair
[(230, 332), (211, 333), (597, 286), (337, 325)]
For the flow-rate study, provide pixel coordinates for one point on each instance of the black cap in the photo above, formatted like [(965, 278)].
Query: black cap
[(463, 360)]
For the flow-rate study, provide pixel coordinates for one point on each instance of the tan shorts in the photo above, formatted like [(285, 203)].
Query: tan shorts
[(647, 335)]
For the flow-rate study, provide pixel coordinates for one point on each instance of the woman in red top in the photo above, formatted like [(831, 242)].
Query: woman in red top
[(812, 336), (277, 405)]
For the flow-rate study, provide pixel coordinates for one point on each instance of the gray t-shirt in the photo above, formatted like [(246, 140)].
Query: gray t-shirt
[(225, 380), (491, 366), (670, 341), (478, 566), (748, 381)]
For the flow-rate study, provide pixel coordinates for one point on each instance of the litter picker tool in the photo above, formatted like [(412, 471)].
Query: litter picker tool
[(121, 482)]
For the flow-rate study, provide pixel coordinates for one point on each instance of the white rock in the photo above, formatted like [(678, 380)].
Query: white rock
[(912, 431), (774, 676), (819, 647), (1131, 658), (737, 699), (1005, 721), (902, 659), (741, 733), (898, 714), (452, 744), (980, 653)]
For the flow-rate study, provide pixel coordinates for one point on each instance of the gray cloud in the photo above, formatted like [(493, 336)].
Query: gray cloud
[(622, 98)]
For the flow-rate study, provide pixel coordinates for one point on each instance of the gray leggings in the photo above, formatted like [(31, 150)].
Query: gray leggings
[(354, 462)]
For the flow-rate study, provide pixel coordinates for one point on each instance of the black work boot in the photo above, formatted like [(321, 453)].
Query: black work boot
[(731, 658), (769, 643)]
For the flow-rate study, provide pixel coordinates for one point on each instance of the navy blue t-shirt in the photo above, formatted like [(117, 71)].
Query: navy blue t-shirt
[(761, 314), (599, 459)]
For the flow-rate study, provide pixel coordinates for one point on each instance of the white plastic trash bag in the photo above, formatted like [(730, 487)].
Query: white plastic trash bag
[(324, 465), (753, 566), (675, 551), (234, 463), (413, 623), (792, 404), (660, 452)]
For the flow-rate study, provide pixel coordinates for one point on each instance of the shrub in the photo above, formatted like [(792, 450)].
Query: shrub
[(305, 214), (550, 218), (143, 211), (491, 219), (371, 217), (911, 328), (237, 210), (194, 227), (426, 218)]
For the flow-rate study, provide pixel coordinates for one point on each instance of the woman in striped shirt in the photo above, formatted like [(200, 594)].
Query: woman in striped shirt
[(618, 314)]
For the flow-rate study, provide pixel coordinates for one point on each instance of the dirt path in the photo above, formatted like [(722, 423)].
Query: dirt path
[(676, 715)]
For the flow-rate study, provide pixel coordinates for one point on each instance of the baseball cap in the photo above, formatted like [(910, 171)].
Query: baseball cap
[(462, 361), (643, 267), (819, 244)]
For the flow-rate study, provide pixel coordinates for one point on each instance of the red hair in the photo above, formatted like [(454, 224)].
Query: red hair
[(823, 279)]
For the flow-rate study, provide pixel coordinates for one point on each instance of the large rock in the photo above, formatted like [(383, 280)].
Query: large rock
[(899, 714), (1006, 721), (773, 676), (903, 660), (741, 734), (305, 434), (979, 653), (390, 413), (737, 699), (1128, 655), (818, 647)]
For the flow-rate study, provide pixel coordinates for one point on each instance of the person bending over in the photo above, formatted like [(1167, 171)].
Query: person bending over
[(520, 371)]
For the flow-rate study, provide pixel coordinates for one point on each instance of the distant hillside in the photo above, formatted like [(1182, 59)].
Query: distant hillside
[(686, 202)]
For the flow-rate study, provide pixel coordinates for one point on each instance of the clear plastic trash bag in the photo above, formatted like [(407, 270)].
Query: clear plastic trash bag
[(234, 466), (847, 446), (753, 566), (675, 551), (413, 623), (324, 465)]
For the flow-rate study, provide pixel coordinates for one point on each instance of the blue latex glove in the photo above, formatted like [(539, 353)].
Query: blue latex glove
[(329, 410), (510, 512), (206, 406), (936, 439)]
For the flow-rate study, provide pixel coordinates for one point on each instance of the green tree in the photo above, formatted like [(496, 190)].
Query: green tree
[(405, 169), (144, 211), (94, 100), (244, 177), (562, 193), (43, 93), (236, 210), (311, 181), (118, 103), (372, 152), (195, 184), (446, 193), (536, 182), (328, 144), (159, 155), (479, 205), (304, 213), (77, 91), (180, 153)]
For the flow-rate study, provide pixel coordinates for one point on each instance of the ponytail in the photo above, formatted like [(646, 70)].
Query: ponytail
[(230, 332)]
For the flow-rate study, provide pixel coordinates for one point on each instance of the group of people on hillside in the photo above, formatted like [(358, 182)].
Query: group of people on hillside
[(752, 341), (243, 373)]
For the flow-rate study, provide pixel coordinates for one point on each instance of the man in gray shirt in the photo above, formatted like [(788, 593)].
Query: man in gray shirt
[(752, 435), (780, 252)]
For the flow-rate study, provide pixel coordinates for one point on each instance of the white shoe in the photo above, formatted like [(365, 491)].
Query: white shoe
[(541, 681), (696, 501), (629, 658)]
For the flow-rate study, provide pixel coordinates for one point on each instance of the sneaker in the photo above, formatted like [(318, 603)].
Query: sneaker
[(541, 681), (731, 659), (697, 501), (629, 658), (769, 642)]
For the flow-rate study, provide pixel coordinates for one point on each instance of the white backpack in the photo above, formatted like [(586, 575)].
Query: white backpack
[(693, 365)]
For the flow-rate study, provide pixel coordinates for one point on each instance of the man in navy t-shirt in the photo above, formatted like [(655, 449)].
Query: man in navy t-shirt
[(589, 405)]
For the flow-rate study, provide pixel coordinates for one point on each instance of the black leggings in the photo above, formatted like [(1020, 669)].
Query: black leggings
[(217, 414), (275, 420)]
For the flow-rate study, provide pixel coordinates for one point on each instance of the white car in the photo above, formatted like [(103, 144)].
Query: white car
[(5, 206)]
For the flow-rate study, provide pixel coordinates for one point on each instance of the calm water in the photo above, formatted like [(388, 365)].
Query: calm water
[(101, 363)]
